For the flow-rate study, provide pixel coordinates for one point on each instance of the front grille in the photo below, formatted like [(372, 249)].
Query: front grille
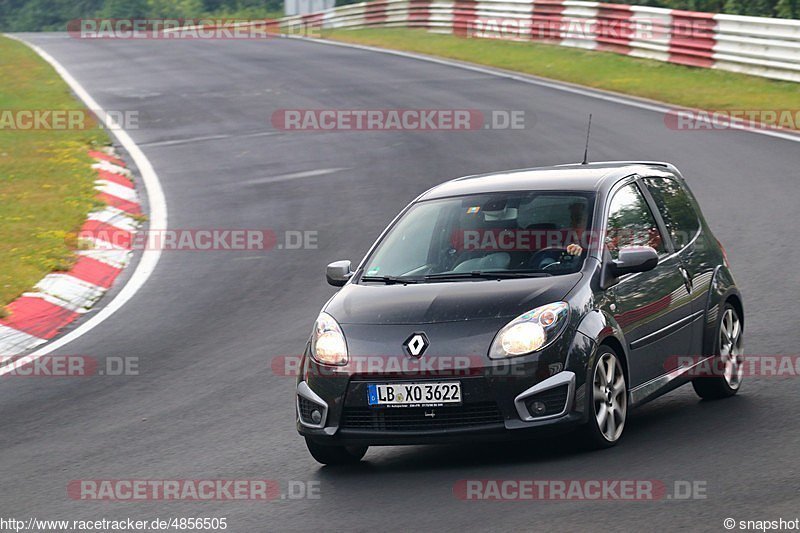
[(414, 419), (306, 406), (554, 399)]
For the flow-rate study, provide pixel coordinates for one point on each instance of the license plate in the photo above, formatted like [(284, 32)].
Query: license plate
[(414, 394)]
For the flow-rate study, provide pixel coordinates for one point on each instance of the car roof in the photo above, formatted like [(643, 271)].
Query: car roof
[(573, 177)]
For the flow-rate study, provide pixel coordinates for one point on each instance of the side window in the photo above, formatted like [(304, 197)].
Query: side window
[(630, 222), (676, 209)]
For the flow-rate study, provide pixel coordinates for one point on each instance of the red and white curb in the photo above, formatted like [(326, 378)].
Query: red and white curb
[(61, 297), (757, 46)]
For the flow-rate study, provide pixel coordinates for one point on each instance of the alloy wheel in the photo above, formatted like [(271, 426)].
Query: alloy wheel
[(610, 397)]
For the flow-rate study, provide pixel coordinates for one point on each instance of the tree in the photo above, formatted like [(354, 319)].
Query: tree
[(789, 9), (175, 9), (755, 8), (123, 9)]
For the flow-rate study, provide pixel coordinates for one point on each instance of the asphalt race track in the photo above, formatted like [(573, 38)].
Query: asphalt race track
[(207, 325)]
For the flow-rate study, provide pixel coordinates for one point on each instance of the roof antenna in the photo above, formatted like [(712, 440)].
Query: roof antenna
[(588, 132)]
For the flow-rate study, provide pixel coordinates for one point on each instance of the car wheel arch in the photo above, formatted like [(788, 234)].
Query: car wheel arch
[(722, 291), (601, 327)]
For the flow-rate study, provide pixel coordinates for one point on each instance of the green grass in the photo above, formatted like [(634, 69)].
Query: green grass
[(46, 180), (655, 80)]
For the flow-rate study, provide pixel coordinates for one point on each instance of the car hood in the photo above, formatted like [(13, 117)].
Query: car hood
[(427, 303)]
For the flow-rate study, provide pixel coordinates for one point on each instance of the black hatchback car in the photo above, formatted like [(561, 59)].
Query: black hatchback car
[(524, 301)]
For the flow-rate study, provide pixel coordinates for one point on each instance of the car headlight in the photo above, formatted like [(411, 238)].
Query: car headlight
[(327, 342), (530, 332)]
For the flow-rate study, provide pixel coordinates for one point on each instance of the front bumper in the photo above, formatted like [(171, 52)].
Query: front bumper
[(494, 405)]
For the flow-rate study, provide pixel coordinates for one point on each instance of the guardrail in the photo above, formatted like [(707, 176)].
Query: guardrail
[(752, 45)]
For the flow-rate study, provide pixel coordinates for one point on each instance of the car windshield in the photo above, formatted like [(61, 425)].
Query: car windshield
[(487, 236)]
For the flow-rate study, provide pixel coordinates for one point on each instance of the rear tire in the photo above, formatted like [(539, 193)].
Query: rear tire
[(608, 401), (335, 455), (728, 359)]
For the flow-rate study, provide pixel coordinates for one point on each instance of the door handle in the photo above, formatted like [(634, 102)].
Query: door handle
[(687, 279)]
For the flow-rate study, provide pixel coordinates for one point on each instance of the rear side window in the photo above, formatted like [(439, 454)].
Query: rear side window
[(630, 222), (676, 209)]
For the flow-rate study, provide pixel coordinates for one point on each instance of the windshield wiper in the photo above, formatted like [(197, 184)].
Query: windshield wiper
[(517, 273), (488, 274), (390, 280)]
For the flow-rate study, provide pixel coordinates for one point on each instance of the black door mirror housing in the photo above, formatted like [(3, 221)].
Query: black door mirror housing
[(338, 273), (633, 259)]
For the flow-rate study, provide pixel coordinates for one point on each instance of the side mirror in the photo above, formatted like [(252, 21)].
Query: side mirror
[(633, 259), (338, 273)]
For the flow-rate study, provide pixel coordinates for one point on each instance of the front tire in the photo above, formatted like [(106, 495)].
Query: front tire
[(608, 400), (729, 359), (335, 455)]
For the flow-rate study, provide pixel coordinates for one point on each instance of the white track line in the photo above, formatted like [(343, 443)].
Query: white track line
[(558, 86), (190, 140), (157, 216), (294, 176)]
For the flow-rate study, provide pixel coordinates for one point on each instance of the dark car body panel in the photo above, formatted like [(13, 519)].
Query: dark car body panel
[(650, 318), (428, 303)]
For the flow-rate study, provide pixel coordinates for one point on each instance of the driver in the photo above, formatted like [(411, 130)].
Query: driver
[(577, 215)]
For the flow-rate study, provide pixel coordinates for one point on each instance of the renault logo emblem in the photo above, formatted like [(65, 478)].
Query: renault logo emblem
[(416, 344)]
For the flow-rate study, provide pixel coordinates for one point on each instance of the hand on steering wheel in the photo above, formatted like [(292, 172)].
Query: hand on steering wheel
[(574, 249), (555, 254)]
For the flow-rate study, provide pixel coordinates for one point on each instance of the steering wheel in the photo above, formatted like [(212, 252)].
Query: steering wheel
[(546, 257)]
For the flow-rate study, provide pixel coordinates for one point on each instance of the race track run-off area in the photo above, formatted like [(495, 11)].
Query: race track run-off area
[(206, 327)]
